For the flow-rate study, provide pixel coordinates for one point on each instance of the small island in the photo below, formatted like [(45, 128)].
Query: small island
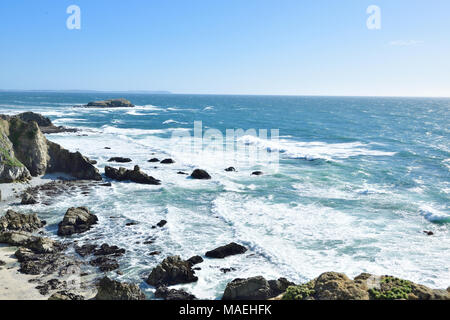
[(112, 103)]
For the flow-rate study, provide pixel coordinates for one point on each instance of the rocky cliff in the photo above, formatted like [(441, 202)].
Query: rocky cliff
[(25, 152)]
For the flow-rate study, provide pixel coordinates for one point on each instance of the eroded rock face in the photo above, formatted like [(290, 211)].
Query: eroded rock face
[(200, 174), (225, 251), (173, 270), (135, 175), (14, 221), (337, 286), (76, 220), (114, 290), (44, 123), (113, 103)]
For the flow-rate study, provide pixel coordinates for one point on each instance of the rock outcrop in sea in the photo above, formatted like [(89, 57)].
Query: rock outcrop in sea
[(76, 220), (112, 103), (173, 270), (135, 175), (25, 152), (114, 290)]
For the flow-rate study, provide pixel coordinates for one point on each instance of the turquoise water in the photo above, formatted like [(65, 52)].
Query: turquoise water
[(359, 180)]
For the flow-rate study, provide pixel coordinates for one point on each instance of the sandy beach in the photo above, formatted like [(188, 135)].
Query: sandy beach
[(15, 285)]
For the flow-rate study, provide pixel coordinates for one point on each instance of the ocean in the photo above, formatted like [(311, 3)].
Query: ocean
[(357, 181)]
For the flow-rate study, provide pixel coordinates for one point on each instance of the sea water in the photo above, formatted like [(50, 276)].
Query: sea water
[(359, 181)]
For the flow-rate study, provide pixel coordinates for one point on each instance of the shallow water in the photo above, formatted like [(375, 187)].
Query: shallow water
[(359, 180)]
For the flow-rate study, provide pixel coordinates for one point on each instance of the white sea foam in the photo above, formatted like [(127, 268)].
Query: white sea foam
[(433, 215)]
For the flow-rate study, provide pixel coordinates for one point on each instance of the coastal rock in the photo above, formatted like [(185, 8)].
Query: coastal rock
[(337, 286), (255, 288), (105, 264), (200, 174), (14, 221), (230, 169), (114, 290), (173, 270), (112, 103), (161, 224), (66, 296), (225, 251), (154, 160), (257, 173), (85, 250), (26, 240), (28, 199), (172, 294), (195, 260), (76, 220), (107, 250), (135, 175), (120, 160), (167, 161), (44, 123)]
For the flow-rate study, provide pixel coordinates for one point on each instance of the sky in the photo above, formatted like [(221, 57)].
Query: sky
[(281, 47)]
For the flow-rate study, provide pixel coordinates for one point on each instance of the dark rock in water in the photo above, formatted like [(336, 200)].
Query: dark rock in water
[(106, 250), (195, 260), (429, 233), (114, 290), (85, 250), (226, 270), (154, 160), (172, 294), (135, 175), (66, 296), (200, 174), (162, 223), (14, 221), (76, 220), (120, 160), (93, 161), (130, 224), (107, 148), (113, 103), (154, 253), (167, 161), (230, 169), (2, 263), (256, 288), (182, 173), (257, 173), (108, 184), (225, 251), (105, 264), (171, 271), (28, 199)]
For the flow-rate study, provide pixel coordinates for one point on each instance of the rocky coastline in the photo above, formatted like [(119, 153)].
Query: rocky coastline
[(65, 269)]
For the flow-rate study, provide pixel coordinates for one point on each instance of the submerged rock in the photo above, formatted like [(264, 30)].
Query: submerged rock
[(114, 290), (76, 220), (135, 175), (225, 251), (200, 174), (120, 160), (173, 270), (14, 221)]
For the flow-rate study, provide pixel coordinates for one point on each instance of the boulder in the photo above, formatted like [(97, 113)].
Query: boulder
[(161, 224), (255, 288), (107, 250), (76, 220), (200, 175), (112, 103), (27, 240), (120, 160), (154, 160), (114, 290), (105, 264), (85, 250), (66, 296), (172, 294), (230, 169), (135, 175), (257, 173), (14, 221), (337, 286), (225, 251), (28, 199), (167, 161), (195, 260), (173, 270)]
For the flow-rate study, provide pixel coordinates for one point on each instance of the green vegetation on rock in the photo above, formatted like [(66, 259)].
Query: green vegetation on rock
[(300, 292), (392, 288)]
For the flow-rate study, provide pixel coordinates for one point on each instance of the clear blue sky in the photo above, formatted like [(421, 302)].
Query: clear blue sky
[(296, 47)]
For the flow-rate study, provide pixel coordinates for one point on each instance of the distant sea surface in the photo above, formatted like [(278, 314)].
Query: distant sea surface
[(359, 181)]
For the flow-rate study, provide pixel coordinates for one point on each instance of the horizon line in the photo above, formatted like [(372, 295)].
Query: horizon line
[(167, 92)]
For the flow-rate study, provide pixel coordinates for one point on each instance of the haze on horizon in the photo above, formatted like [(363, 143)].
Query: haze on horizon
[(287, 47)]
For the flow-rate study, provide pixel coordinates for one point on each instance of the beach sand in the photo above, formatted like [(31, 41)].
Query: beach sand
[(15, 285)]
